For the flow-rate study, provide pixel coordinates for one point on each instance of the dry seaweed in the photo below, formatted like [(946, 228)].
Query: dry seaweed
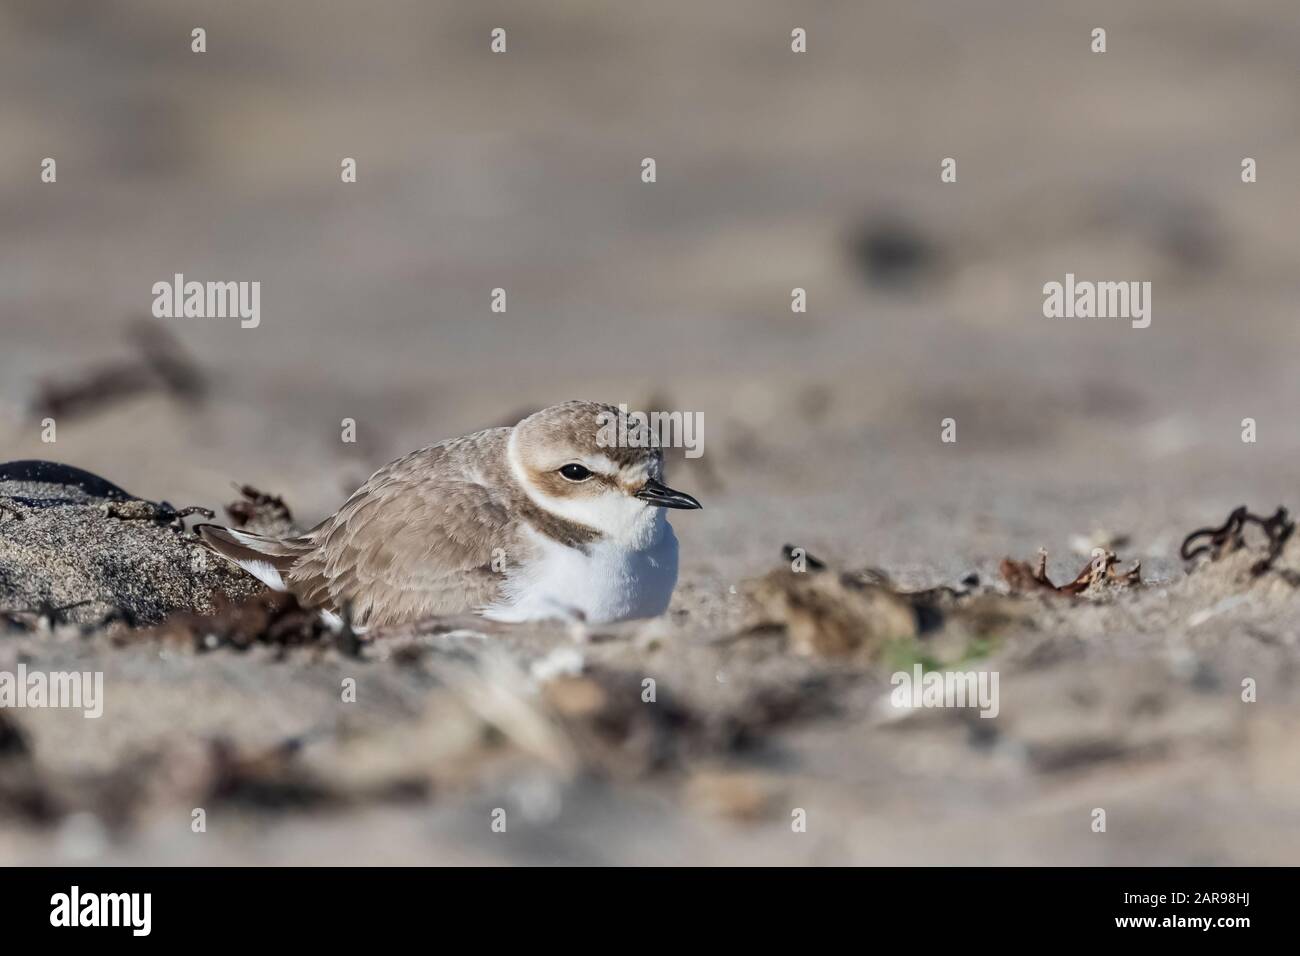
[(1102, 571), (1231, 536), (161, 365), (260, 512), (272, 618), (161, 512)]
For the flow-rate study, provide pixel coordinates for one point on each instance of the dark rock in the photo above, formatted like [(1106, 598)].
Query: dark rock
[(77, 549)]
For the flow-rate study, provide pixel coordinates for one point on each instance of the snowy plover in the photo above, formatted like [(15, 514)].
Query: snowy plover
[(539, 520)]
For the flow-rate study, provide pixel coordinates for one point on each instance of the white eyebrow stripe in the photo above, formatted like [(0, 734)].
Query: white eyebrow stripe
[(601, 464)]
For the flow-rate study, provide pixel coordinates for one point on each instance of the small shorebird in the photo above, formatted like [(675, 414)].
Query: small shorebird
[(545, 519)]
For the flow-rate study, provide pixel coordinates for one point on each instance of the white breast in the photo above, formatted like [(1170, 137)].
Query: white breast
[(610, 581)]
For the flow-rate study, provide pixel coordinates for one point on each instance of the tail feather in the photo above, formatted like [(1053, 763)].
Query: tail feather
[(267, 559)]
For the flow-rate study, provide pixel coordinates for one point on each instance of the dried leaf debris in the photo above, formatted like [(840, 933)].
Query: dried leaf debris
[(261, 513), (1099, 573)]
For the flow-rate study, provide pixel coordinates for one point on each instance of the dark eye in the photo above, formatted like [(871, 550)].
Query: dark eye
[(575, 472)]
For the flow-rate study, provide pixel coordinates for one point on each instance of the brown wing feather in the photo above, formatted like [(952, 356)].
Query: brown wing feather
[(405, 547)]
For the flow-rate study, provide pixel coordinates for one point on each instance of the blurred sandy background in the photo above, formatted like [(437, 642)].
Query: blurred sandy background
[(775, 171)]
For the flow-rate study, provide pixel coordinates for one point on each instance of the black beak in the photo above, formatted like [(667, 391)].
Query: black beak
[(661, 496)]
